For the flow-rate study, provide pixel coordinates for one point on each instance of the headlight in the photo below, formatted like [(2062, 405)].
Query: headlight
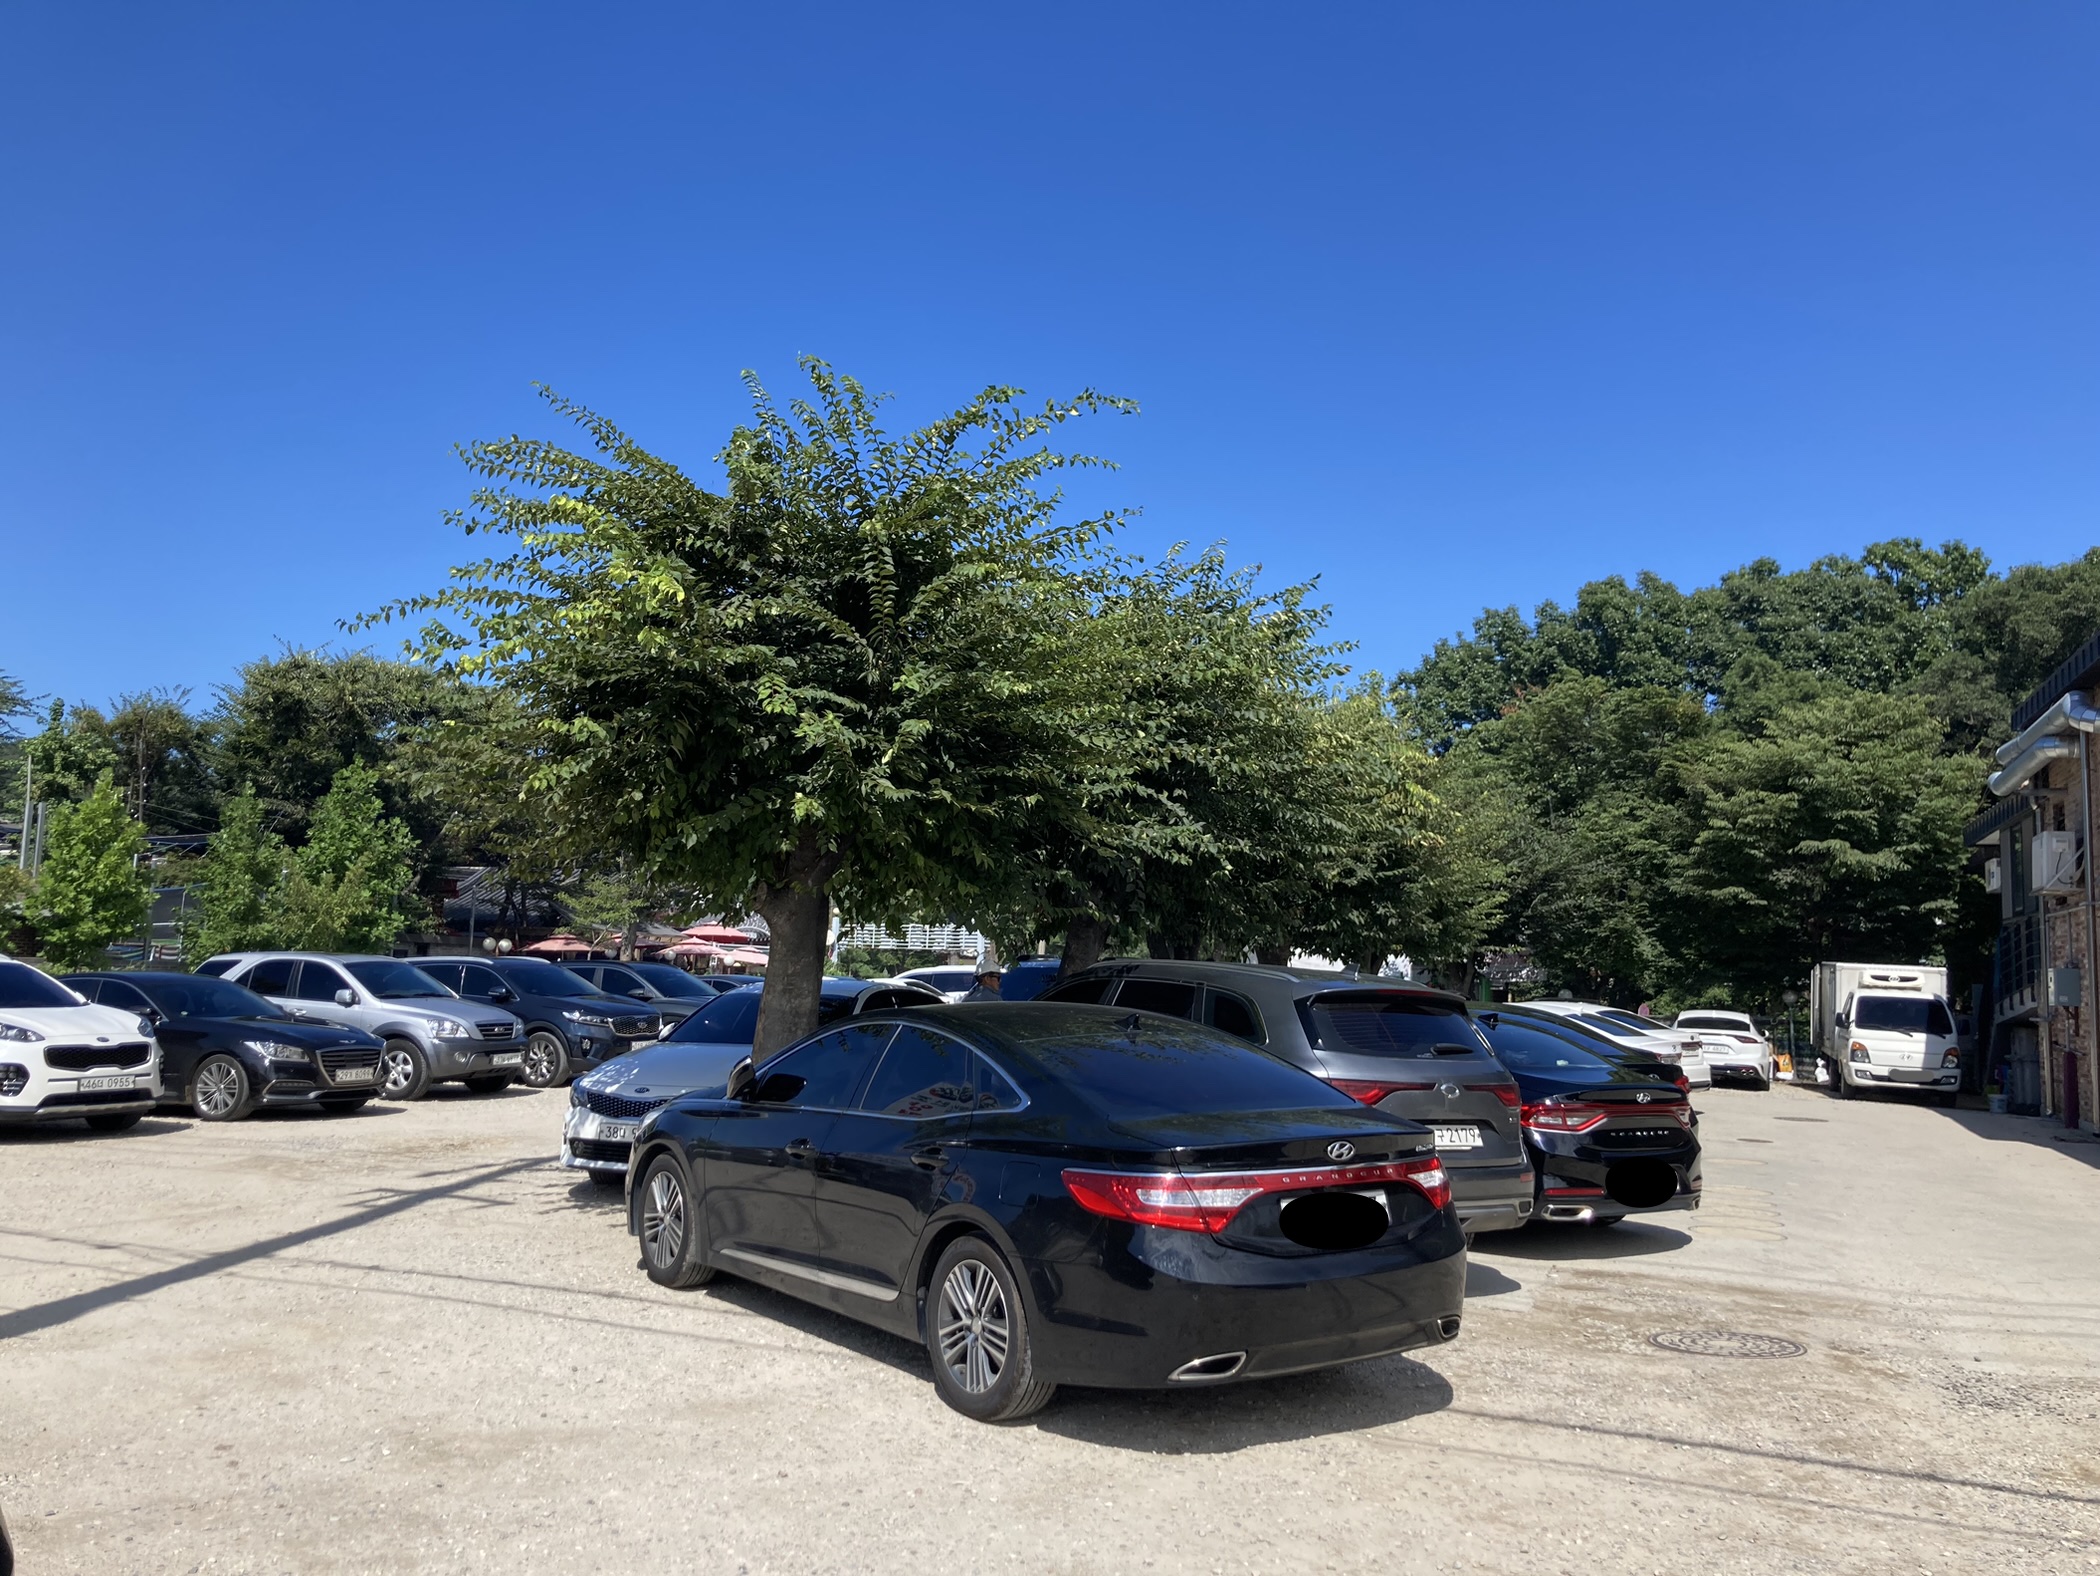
[(577, 1096), (146, 1027), (595, 1019), (451, 1030), (278, 1051), (15, 1031)]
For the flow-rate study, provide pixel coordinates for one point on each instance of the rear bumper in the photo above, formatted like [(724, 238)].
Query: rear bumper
[(1492, 1198), (1171, 1304)]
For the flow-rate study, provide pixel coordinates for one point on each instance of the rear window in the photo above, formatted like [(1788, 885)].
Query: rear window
[(1080, 990), (730, 1019), (23, 986), (1169, 1069), (1386, 1023), (1902, 1014), (1522, 1047), (1171, 997), (1711, 1020)]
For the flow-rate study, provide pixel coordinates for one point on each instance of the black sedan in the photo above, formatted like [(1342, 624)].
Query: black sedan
[(225, 1051), (1059, 1194), (1607, 1140)]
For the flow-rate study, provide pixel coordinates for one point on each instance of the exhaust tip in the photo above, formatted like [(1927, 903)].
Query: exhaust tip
[(1221, 1366), (1447, 1327)]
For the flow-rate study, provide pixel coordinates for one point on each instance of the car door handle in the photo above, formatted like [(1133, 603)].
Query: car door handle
[(801, 1148), (930, 1158)]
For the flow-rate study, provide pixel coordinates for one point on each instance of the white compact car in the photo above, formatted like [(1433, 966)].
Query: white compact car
[(1733, 1045), (1630, 1031), (63, 1059)]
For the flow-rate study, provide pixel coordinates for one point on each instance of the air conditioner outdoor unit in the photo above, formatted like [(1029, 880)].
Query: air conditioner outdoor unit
[(2056, 862), (1993, 881)]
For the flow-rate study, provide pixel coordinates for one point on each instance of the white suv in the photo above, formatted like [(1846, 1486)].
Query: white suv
[(64, 1059)]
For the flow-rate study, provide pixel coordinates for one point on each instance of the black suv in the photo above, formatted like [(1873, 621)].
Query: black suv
[(1409, 1051), (570, 1024), (674, 994)]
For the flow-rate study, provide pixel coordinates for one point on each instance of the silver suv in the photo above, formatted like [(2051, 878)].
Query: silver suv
[(431, 1035)]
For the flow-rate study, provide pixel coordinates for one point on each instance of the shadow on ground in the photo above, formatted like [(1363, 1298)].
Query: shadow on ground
[(1562, 1243), (2042, 1132), (1261, 1412), (80, 1133)]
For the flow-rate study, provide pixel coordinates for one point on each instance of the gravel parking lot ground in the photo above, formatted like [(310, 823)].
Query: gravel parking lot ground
[(405, 1341)]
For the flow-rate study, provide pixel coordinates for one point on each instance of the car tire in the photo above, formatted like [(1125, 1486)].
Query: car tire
[(546, 1059), (404, 1071), (977, 1335), (220, 1090), (668, 1219), (490, 1083), (1841, 1088), (116, 1121)]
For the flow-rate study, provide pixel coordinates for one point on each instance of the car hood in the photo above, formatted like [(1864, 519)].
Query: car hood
[(695, 1067), (75, 1023), (434, 1009), (307, 1036)]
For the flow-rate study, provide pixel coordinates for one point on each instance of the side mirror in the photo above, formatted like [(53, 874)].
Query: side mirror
[(1842, 1021), (639, 995), (346, 997), (739, 1080), (777, 1088), (501, 994)]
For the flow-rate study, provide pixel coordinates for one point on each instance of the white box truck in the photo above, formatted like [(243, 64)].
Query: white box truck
[(1885, 1026)]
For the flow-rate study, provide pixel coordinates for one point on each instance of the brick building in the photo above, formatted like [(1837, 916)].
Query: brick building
[(2034, 843)]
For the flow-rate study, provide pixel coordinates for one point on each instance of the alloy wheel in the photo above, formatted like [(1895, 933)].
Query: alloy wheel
[(397, 1070), (542, 1061), (663, 1220), (973, 1326), (218, 1089)]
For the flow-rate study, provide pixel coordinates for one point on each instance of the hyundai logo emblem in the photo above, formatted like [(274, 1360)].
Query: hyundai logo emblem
[(1450, 1091), (1340, 1149), (1644, 1098)]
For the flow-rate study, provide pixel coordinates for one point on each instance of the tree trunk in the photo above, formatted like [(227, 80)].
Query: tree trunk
[(1085, 940), (798, 912)]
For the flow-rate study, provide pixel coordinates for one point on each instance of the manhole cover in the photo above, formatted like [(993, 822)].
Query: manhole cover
[(1725, 1343)]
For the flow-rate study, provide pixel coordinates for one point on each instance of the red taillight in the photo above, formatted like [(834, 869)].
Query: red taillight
[(1372, 1092), (1683, 1080), (1505, 1092), (1564, 1118), (1207, 1201)]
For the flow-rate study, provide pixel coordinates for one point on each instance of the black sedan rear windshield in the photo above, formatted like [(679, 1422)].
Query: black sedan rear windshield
[(1386, 1023), (1521, 1047), (1167, 1069), (1902, 1014), (23, 986)]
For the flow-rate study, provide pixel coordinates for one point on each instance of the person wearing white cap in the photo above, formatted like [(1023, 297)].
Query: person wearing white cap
[(987, 988)]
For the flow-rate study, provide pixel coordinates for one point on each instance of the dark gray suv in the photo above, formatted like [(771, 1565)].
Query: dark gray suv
[(1410, 1051)]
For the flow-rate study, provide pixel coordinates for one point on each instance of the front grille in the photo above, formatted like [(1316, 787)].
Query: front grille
[(499, 1031), (624, 1107), (349, 1056), (634, 1028), (599, 1149), (94, 1097), (79, 1058)]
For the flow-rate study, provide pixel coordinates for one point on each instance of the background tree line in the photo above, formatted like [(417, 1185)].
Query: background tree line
[(888, 673)]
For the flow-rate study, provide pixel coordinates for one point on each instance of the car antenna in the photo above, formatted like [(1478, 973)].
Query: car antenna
[(1129, 1024)]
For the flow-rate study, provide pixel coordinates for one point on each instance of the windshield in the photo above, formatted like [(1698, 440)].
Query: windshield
[(1902, 1014), (1713, 1020), (1387, 1023), (1532, 1048), (730, 1019), (199, 996), (23, 986), (392, 980), (532, 977), (673, 981), (1174, 1069)]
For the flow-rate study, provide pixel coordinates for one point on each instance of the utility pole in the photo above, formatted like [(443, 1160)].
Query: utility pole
[(28, 803)]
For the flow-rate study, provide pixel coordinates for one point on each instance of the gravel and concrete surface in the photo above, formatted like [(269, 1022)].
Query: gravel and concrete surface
[(405, 1341)]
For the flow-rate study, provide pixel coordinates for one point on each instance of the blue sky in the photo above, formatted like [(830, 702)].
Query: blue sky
[(1449, 305)]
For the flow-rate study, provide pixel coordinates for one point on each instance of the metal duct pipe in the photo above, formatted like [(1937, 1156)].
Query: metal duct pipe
[(2072, 710), (2033, 759)]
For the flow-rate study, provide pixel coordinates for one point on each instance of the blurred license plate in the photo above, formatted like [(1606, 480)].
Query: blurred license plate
[(506, 1058), (345, 1075), (1457, 1137), (127, 1081), (616, 1132)]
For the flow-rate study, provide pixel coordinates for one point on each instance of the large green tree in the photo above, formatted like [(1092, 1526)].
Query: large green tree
[(91, 889), (348, 888), (238, 887), (833, 676)]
